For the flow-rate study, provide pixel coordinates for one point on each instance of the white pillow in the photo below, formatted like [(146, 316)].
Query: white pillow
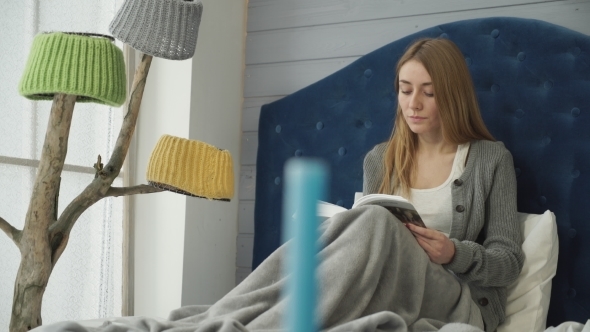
[(529, 295)]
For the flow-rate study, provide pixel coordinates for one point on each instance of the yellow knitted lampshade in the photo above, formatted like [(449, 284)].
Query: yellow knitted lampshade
[(192, 168)]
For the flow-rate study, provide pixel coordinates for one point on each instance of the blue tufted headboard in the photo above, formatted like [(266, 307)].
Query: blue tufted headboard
[(533, 83)]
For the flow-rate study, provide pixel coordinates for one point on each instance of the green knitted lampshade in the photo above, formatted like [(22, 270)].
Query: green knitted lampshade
[(89, 66)]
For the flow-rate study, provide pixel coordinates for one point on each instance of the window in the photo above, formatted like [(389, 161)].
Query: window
[(87, 280)]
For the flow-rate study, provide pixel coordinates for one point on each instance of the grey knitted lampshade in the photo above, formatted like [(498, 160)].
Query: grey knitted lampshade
[(163, 28)]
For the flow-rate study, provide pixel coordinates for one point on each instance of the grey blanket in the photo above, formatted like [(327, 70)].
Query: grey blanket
[(372, 276)]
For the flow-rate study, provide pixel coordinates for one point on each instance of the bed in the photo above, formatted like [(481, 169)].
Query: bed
[(533, 84)]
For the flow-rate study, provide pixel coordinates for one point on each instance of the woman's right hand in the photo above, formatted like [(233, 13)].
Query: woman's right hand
[(439, 248)]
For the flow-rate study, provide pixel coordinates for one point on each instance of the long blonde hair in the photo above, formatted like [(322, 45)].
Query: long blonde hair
[(457, 106)]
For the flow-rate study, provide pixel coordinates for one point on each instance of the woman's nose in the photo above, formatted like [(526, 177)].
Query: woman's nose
[(415, 102)]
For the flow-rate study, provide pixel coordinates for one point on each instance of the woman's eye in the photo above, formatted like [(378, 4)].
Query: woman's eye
[(429, 94), (406, 92)]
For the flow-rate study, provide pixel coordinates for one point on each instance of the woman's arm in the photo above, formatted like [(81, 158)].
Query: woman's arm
[(498, 262), (373, 169)]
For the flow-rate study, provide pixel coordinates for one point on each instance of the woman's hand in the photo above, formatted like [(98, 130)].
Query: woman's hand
[(438, 247)]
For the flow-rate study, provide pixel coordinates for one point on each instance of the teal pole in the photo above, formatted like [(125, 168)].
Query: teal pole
[(305, 184)]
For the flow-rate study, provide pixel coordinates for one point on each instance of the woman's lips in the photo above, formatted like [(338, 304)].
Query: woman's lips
[(416, 118)]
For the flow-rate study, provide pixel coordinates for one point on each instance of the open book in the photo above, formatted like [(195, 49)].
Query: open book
[(397, 205)]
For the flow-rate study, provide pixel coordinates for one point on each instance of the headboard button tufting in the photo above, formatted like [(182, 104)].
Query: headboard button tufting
[(519, 113), (277, 180), (575, 173), (571, 293), (575, 112), (319, 125), (368, 124), (548, 85), (342, 151), (444, 35), (576, 51), (543, 200), (468, 61), (521, 56), (572, 233), (298, 153), (368, 73), (278, 128), (495, 88), (495, 33), (546, 140), (340, 202)]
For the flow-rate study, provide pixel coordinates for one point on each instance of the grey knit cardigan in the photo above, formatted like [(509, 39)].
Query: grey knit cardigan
[(485, 230)]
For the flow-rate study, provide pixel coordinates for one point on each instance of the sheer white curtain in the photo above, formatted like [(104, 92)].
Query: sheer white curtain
[(86, 282)]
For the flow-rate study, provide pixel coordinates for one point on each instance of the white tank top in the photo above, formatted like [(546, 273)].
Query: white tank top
[(435, 204)]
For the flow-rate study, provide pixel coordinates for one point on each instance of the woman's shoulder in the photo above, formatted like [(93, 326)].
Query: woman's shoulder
[(373, 163), (490, 148), (489, 154), (376, 153)]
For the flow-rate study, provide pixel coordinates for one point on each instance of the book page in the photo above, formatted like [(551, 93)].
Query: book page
[(400, 207), (327, 210)]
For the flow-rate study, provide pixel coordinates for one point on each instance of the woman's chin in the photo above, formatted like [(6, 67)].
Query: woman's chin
[(425, 130)]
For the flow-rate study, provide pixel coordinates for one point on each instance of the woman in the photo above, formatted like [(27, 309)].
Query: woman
[(442, 157)]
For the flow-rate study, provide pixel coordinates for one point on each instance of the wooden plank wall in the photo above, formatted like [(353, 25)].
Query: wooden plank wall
[(291, 44)]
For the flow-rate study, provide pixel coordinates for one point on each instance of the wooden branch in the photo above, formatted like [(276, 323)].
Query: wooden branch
[(34, 245), (134, 190), (100, 186), (13, 233), (128, 126), (98, 166), (40, 213)]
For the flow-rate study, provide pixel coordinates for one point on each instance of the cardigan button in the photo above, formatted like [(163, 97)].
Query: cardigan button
[(459, 208), (458, 182), (483, 302)]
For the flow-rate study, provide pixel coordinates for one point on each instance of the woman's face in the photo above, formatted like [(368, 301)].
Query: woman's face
[(416, 99)]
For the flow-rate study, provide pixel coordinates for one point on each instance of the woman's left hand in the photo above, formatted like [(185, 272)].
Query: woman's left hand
[(438, 246)]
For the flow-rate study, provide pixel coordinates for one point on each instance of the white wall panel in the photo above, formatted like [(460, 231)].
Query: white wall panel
[(286, 78), (355, 39), (259, 101), (281, 14), (247, 183), (251, 111), (250, 117), (249, 148), (245, 244), (246, 218), (242, 273)]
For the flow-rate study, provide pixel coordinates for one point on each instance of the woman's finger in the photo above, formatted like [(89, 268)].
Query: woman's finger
[(425, 244), (425, 232)]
